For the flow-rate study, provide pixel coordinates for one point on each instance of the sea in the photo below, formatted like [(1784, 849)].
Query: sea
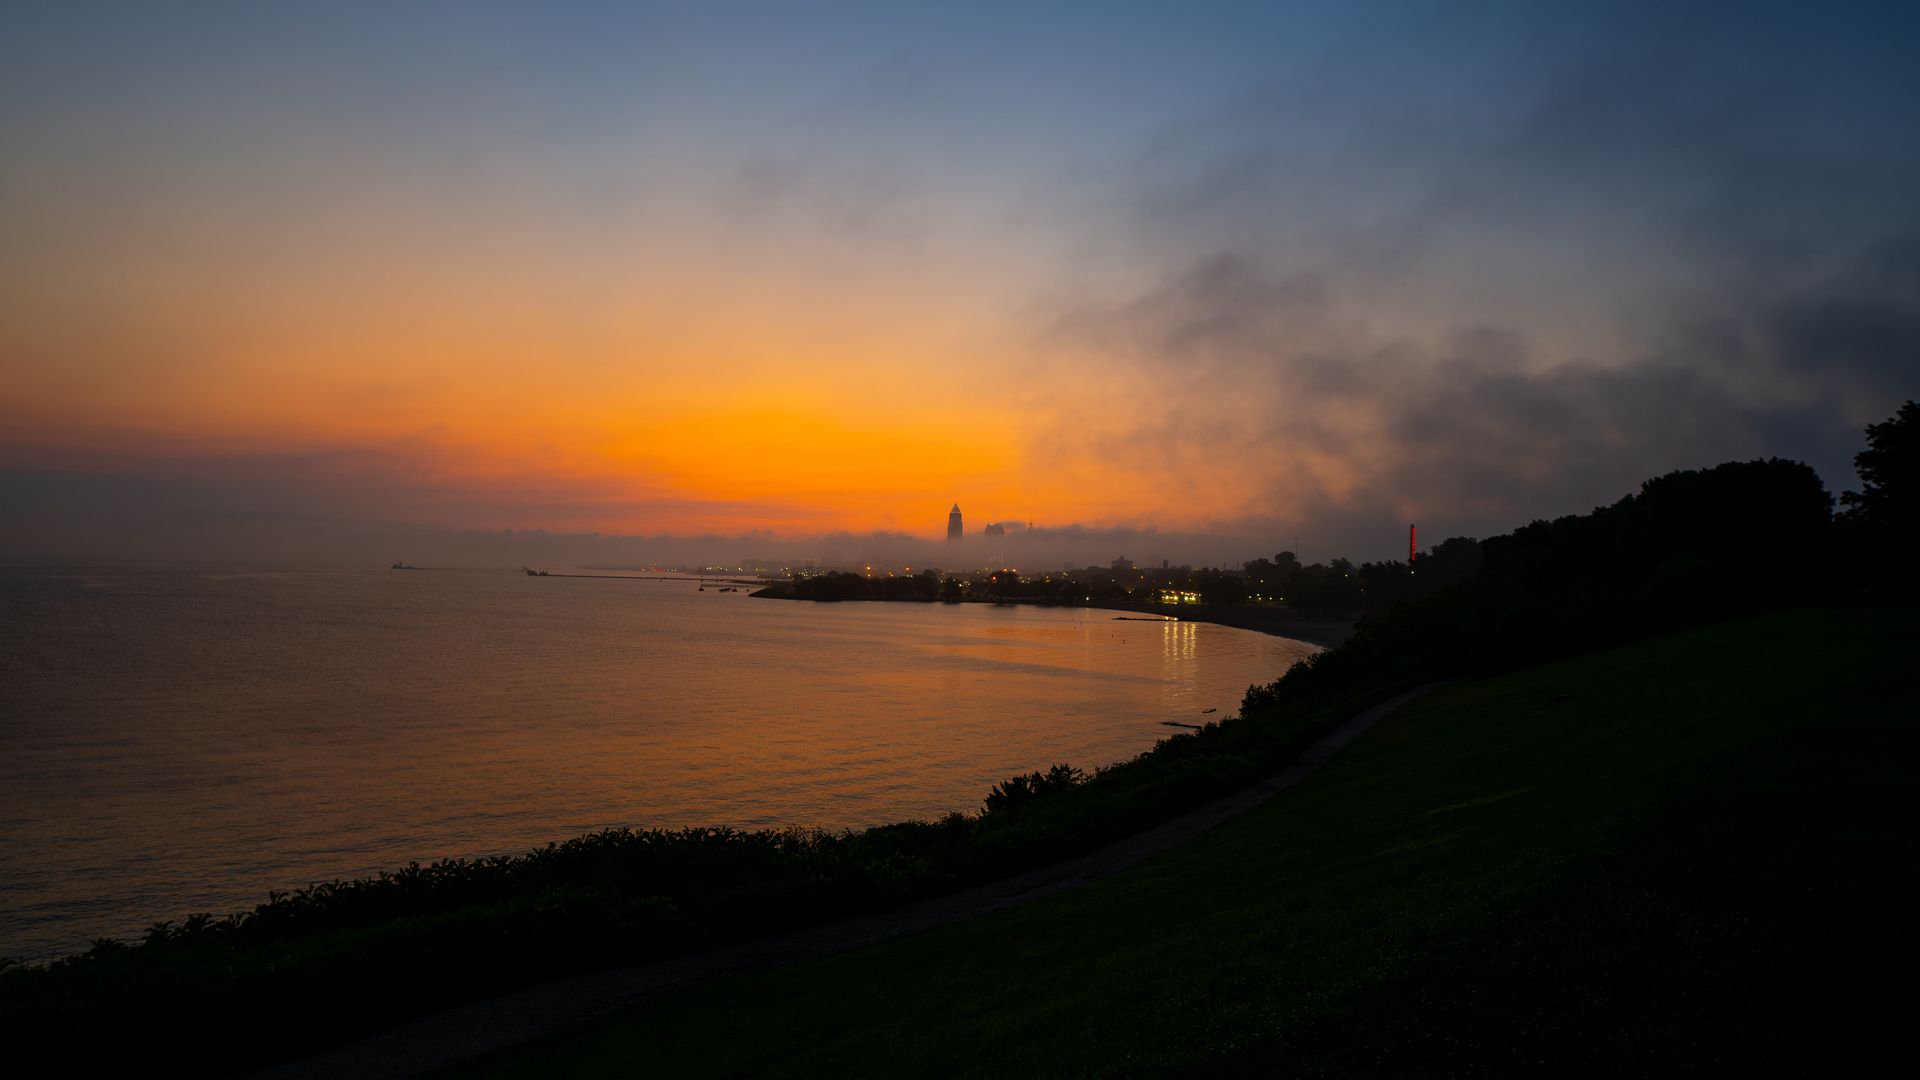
[(176, 741)]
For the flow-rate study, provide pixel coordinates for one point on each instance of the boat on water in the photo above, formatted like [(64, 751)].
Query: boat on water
[(531, 572), (403, 566)]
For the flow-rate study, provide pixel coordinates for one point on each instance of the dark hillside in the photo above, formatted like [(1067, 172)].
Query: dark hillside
[(1683, 855)]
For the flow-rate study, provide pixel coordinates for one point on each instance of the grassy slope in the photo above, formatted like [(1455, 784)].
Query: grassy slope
[(1676, 854)]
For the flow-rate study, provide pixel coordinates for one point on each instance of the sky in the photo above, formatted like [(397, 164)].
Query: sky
[(473, 282)]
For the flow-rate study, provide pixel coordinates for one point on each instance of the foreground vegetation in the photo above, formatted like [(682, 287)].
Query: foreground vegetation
[(1680, 855), (322, 964)]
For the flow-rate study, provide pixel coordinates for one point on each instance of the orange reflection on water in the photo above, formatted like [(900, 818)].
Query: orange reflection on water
[(263, 731)]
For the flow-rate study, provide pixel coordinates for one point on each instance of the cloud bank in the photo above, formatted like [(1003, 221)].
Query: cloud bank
[(1197, 284)]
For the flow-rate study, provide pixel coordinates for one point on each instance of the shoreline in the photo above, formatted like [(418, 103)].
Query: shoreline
[(192, 932), (1279, 622), (462, 1033)]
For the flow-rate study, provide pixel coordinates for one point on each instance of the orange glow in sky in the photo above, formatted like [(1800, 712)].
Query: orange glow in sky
[(1258, 274)]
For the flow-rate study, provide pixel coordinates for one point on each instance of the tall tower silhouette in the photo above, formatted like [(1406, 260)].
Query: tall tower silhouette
[(954, 531)]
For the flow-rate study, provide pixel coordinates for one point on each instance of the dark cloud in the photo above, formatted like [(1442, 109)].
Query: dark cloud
[(1484, 429), (1466, 263), (1339, 434), (1519, 276), (1859, 330), (1566, 157)]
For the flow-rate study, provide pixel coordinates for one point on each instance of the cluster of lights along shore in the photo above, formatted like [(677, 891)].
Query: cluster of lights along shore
[(956, 531)]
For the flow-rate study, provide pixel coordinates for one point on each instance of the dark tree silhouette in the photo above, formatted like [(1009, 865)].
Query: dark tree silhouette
[(1889, 471), (1326, 592), (1453, 559), (1882, 515), (1272, 577)]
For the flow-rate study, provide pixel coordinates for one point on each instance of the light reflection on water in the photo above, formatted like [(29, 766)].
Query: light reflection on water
[(174, 742)]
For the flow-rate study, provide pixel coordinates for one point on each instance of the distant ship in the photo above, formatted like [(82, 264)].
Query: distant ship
[(403, 566), (531, 572)]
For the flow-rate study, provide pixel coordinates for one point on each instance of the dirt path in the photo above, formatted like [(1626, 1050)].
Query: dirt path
[(455, 1035)]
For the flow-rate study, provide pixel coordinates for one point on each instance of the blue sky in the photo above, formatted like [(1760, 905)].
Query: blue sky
[(1213, 273)]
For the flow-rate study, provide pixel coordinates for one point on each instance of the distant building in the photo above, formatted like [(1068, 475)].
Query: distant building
[(1122, 564), (954, 529), (994, 528)]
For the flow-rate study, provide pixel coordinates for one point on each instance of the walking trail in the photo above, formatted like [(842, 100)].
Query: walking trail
[(456, 1035)]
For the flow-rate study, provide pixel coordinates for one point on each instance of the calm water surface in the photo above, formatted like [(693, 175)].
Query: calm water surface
[(174, 742)]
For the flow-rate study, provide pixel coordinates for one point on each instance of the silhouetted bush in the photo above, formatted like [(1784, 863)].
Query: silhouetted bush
[(1019, 791)]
